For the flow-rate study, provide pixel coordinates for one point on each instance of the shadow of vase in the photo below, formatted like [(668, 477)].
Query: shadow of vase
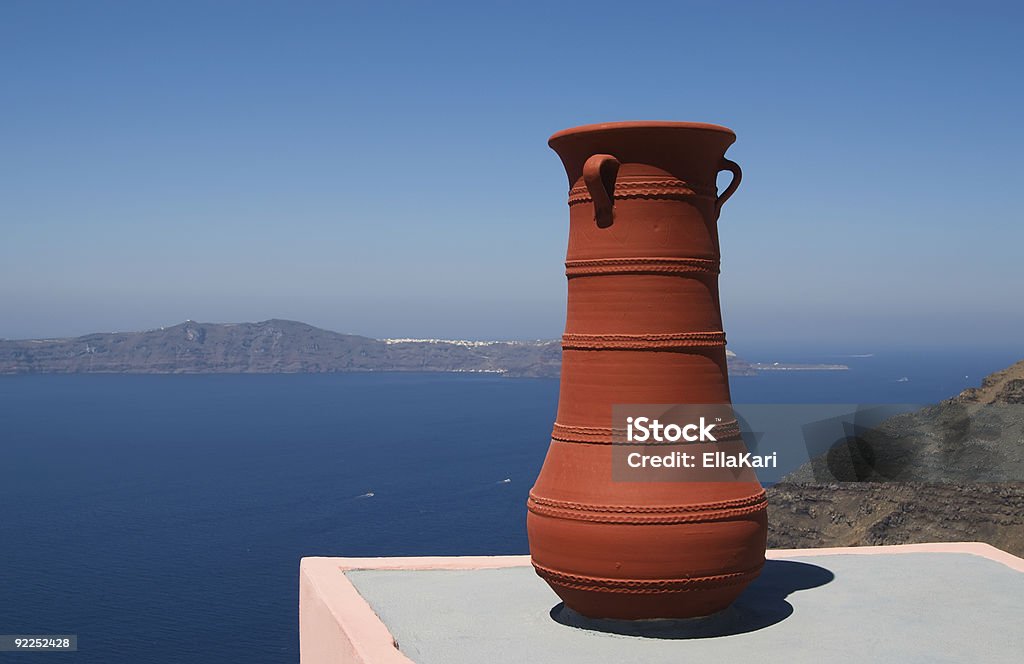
[(761, 605)]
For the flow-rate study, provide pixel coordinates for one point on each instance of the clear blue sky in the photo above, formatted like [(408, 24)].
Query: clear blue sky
[(382, 168)]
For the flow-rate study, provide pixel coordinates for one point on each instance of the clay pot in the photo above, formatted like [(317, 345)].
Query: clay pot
[(644, 326)]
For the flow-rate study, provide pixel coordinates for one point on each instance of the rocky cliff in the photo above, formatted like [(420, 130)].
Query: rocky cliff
[(949, 472)]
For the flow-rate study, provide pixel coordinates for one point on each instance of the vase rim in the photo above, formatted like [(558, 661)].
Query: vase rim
[(644, 124)]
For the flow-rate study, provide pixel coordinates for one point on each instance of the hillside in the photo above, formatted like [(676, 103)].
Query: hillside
[(1005, 387), (273, 346), (949, 472), (281, 346)]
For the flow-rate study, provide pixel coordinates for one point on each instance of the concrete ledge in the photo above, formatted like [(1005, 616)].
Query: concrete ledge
[(337, 624)]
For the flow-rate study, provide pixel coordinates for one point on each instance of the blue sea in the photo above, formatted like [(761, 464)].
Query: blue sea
[(162, 518)]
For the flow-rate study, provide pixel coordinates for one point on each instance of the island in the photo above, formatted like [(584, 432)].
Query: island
[(284, 346)]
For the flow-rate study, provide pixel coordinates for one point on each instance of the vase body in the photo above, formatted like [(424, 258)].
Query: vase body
[(643, 326)]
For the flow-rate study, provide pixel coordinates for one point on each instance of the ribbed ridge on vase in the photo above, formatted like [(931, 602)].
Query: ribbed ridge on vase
[(651, 188), (644, 586), (597, 435), (648, 514), (670, 266), (665, 341)]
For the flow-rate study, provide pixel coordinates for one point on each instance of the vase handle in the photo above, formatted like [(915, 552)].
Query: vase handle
[(599, 173), (737, 175)]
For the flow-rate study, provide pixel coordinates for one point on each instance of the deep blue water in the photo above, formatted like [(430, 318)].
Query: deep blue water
[(162, 518)]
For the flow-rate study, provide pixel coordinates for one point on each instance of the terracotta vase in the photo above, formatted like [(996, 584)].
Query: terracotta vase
[(643, 326)]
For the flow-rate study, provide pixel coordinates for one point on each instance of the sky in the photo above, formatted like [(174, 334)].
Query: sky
[(382, 168)]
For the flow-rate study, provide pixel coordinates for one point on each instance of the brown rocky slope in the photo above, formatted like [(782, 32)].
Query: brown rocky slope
[(950, 472)]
